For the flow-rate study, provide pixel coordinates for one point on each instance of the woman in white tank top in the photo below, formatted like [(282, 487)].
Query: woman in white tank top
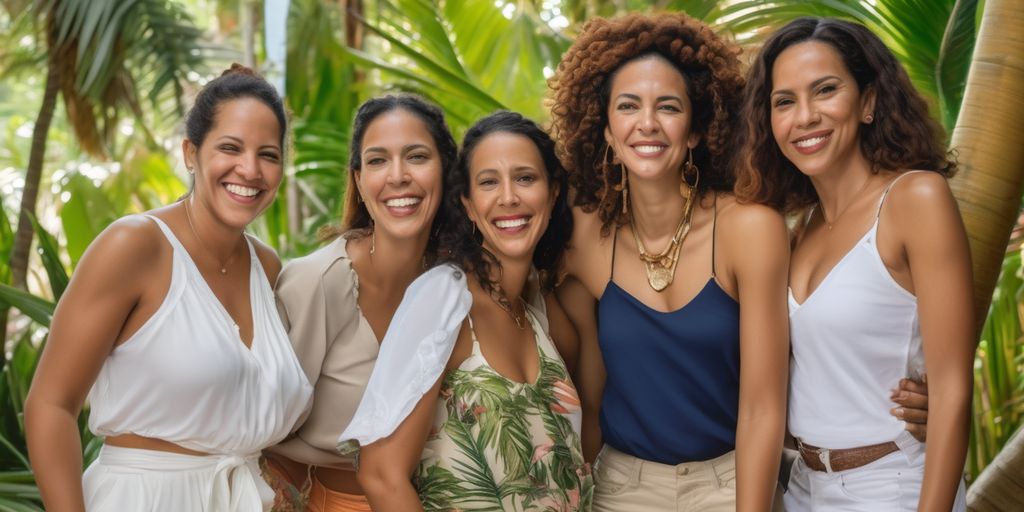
[(880, 276), (169, 325)]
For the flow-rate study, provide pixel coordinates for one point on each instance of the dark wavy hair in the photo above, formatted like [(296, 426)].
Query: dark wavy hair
[(462, 245), (581, 88), (356, 221), (903, 135)]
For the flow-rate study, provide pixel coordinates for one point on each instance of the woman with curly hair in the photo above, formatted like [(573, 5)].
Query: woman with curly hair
[(506, 433), (642, 109), (880, 278)]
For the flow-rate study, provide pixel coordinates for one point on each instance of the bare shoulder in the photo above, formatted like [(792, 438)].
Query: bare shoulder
[(134, 237), (744, 221), (268, 258), (920, 190)]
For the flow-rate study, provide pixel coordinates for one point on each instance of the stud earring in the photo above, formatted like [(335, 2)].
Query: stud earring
[(869, 118)]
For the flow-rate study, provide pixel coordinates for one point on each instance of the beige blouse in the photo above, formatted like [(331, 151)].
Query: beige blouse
[(317, 298)]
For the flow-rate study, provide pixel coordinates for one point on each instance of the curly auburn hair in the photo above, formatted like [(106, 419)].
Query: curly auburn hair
[(462, 244), (902, 136), (581, 89)]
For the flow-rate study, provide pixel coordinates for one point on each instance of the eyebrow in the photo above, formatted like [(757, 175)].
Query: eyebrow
[(634, 97), (239, 141), (405, 149), (812, 86)]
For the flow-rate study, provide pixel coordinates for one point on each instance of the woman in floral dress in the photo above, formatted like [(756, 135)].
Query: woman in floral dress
[(505, 433)]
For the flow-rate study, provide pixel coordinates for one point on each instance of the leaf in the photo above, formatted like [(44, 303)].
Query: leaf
[(50, 253), (955, 60), (38, 309)]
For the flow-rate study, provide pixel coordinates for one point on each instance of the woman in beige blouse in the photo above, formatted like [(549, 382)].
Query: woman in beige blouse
[(337, 302)]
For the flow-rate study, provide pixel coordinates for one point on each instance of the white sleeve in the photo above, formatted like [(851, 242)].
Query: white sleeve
[(414, 352)]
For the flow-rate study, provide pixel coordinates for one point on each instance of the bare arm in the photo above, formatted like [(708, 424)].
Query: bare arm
[(104, 289), (926, 219), (563, 333), (579, 306), (386, 466), (761, 277)]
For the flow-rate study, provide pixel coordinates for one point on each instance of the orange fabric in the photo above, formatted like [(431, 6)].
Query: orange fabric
[(322, 499)]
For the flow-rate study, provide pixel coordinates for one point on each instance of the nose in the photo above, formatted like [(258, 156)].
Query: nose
[(398, 174), (508, 194), (807, 114), (249, 166), (648, 121)]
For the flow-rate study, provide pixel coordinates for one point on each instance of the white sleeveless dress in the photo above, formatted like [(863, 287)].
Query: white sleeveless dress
[(186, 377)]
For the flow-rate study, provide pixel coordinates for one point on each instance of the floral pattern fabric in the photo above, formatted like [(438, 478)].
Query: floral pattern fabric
[(500, 445)]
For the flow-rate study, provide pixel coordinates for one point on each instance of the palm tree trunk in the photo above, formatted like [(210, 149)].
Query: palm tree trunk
[(988, 189), (37, 154)]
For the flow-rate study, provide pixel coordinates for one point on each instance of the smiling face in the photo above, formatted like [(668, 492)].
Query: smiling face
[(649, 118), (400, 179), (510, 196), (817, 109), (239, 165)]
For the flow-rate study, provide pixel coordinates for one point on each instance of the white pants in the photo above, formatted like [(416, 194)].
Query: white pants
[(891, 483), (128, 479)]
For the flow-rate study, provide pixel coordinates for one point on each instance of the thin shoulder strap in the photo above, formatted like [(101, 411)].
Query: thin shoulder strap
[(168, 234), (885, 194), (714, 229), (615, 242), (472, 335)]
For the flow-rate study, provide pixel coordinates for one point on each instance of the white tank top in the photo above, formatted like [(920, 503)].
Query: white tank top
[(186, 377), (852, 340)]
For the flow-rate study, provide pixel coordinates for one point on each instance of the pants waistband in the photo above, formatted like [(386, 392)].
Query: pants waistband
[(649, 469)]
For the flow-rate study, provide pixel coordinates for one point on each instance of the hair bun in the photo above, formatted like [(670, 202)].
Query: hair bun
[(238, 69)]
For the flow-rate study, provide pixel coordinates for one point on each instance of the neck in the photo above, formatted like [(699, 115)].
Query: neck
[(397, 262), (656, 206), (512, 279), (219, 239), (836, 190)]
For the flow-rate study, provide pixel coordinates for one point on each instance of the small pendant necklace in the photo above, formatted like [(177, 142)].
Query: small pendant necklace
[(224, 264), (853, 199)]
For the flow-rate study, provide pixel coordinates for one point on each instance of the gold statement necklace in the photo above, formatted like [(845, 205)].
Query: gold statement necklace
[(661, 267), (224, 264)]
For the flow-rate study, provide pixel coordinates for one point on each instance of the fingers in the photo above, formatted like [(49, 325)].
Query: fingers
[(915, 386), (919, 431), (911, 395), (916, 416)]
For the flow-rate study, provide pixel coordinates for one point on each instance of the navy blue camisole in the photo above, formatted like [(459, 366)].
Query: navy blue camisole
[(672, 388)]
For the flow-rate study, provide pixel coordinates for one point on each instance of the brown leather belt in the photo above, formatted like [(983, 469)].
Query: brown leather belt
[(823, 459)]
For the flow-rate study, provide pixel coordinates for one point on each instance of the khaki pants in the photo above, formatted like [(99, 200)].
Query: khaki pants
[(623, 483)]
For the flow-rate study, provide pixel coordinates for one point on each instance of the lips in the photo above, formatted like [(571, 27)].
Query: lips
[(403, 205), (511, 224), (812, 142), (648, 149), (241, 192)]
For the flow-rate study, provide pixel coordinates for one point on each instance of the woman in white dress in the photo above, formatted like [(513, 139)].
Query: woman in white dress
[(169, 325)]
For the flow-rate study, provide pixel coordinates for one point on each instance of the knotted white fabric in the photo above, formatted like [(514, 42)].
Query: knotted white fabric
[(238, 486), (412, 356)]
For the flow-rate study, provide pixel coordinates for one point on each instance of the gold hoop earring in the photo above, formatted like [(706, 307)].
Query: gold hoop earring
[(623, 185), (689, 169)]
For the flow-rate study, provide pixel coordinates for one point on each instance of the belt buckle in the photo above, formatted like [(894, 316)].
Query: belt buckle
[(825, 456)]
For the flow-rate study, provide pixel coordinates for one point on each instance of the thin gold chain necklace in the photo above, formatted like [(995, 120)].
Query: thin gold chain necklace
[(231, 257), (853, 199)]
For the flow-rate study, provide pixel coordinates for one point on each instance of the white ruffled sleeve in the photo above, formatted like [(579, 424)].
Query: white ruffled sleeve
[(412, 356)]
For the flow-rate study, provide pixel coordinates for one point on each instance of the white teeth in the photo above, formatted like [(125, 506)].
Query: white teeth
[(806, 143), (514, 223), (402, 202), (239, 190), (648, 149)]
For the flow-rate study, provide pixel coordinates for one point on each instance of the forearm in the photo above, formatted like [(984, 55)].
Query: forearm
[(388, 493), (591, 437), (759, 438), (55, 450), (948, 424)]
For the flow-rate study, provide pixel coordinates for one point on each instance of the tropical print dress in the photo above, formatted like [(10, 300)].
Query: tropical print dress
[(501, 445)]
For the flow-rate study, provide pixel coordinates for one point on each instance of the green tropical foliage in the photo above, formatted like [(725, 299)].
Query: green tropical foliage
[(129, 65)]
